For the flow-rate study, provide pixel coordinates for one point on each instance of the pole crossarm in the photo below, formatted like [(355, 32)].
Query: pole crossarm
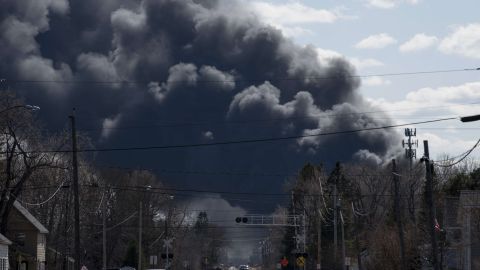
[(273, 220)]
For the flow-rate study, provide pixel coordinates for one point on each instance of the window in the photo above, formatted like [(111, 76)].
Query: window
[(3, 264), (20, 239)]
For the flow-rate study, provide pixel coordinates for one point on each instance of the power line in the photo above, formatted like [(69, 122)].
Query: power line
[(465, 155), (45, 201), (246, 141), (250, 121), (338, 75), (168, 191)]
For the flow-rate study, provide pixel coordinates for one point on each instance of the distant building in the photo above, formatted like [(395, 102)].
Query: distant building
[(58, 260), (4, 243), (28, 236), (461, 219)]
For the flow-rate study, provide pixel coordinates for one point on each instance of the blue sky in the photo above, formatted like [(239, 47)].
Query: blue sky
[(390, 36)]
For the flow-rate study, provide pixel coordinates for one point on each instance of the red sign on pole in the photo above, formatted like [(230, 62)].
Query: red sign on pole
[(284, 262)]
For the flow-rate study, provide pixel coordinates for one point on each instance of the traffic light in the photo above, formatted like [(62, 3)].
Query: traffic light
[(164, 256), (241, 220)]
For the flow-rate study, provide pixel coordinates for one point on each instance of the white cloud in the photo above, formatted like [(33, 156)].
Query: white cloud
[(388, 4), (324, 56), (327, 55), (377, 41), (440, 146), (293, 31), (445, 99), (464, 40), (293, 13), (375, 81), (288, 17), (418, 42), (365, 63)]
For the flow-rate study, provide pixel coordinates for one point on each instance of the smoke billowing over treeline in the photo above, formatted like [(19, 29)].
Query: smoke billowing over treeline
[(166, 72)]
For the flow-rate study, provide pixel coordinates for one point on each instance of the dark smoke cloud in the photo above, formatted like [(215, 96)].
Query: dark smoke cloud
[(200, 63)]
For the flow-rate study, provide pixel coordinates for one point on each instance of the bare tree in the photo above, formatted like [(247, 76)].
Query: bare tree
[(23, 155)]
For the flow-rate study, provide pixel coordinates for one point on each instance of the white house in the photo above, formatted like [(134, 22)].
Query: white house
[(29, 239), (4, 243)]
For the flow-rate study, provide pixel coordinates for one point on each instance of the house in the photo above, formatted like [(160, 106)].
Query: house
[(4, 243), (28, 236)]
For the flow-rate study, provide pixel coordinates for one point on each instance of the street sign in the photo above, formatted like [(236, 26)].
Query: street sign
[(284, 262), (301, 261)]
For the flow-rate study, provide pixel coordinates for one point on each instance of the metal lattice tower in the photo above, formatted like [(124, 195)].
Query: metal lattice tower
[(410, 145)]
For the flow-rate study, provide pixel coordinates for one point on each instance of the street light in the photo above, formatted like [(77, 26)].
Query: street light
[(28, 107), (470, 118)]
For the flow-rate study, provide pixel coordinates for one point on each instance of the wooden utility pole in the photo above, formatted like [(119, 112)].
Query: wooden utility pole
[(335, 233), (335, 215), (398, 214), (140, 236), (344, 267), (430, 202), (319, 224), (104, 225), (319, 241), (75, 191)]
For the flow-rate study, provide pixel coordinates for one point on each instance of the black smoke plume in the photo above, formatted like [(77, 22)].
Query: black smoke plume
[(163, 72)]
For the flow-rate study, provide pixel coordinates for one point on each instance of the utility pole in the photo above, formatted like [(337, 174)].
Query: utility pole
[(398, 214), (319, 243), (430, 202), (335, 215), (319, 229), (304, 235), (75, 191), (140, 236), (319, 240), (167, 240), (343, 241), (104, 231)]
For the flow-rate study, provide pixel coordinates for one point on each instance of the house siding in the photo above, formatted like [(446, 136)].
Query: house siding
[(3, 257), (3, 251), (41, 243)]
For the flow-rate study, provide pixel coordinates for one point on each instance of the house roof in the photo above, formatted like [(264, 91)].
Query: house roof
[(30, 217), (4, 240)]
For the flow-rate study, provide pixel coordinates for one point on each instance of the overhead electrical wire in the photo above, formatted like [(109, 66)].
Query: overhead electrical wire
[(465, 155), (169, 191), (45, 201), (120, 223), (337, 75), (250, 121), (233, 142)]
